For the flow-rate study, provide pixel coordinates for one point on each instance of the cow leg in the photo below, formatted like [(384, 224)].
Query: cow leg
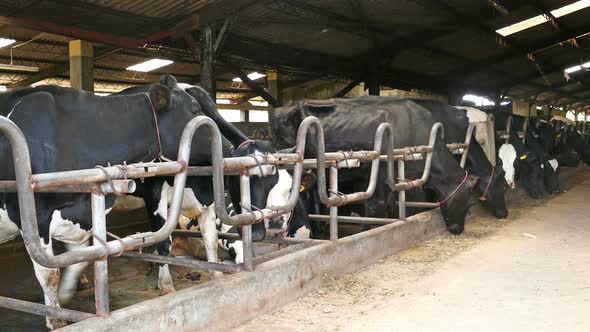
[(208, 227), (71, 276), (64, 230), (156, 203), (49, 281)]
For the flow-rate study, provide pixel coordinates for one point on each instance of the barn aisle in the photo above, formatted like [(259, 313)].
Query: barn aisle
[(530, 273)]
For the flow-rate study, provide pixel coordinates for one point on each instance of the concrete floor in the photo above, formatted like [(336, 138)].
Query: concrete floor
[(506, 281)]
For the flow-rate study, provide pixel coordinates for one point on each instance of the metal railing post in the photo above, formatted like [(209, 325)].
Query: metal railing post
[(401, 173), (334, 208), (101, 272), (467, 142), (246, 229), (508, 125)]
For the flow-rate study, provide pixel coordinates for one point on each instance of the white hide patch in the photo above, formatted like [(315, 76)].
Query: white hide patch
[(8, 229), (190, 208), (279, 195), (507, 154), (303, 233), (239, 250), (66, 231), (474, 114), (554, 164)]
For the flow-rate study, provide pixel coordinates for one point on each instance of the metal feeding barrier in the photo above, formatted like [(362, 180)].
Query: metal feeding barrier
[(505, 135), (120, 179)]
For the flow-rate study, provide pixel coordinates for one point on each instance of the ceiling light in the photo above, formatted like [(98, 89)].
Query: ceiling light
[(253, 76), (6, 41), (540, 19), (150, 65), (573, 69), (11, 67)]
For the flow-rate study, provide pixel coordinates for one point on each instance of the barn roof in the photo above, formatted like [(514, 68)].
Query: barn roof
[(444, 46)]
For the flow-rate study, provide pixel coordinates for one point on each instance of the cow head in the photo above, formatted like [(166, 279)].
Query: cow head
[(493, 191), (260, 187), (173, 117), (550, 176), (454, 209), (507, 157), (529, 171)]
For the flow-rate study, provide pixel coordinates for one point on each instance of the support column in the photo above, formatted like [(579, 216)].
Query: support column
[(207, 61), (82, 65), (273, 86)]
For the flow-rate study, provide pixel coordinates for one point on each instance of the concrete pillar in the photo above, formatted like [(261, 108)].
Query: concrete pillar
[(273, 86), (81, 65), (207, 61)]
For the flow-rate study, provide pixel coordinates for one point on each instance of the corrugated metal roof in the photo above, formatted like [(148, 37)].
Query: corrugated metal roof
[(165, 9)]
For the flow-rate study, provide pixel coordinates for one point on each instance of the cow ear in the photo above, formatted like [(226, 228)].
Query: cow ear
[(472, 181), (160, 97), (307, 181), (169, 81)]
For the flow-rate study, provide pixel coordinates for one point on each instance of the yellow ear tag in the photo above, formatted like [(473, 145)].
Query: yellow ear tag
[(523, 157), (301, 188)]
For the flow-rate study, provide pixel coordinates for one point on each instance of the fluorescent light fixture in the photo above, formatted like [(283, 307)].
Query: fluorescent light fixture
[(540, 19), (573, 69), (253, 76), (11, 67), (223, 101), (479, 100), (539, 108), (150, 65), (6, 41)]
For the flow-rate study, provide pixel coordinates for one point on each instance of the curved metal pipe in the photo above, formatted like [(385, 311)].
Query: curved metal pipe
[(427, 165), (28, 211), (467, 142)]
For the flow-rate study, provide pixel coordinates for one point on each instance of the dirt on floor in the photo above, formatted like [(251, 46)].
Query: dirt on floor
[(326, 308), (338, 303)]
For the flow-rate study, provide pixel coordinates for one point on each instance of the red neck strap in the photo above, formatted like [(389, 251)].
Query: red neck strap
[(454, 191), (157, 124)]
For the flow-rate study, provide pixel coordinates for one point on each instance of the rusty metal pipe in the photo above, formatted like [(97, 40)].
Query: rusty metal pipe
[(27, 203), (354, 220), (183, 261), (44, 310), (121, 186), (466, 145), (427, 165), (236, 237)]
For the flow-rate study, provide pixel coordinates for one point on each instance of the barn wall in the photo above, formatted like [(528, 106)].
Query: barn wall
[(327, 89)]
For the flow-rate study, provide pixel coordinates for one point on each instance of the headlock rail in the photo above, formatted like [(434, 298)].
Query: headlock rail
[(120, 179)]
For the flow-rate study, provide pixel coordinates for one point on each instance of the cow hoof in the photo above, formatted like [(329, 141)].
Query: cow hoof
[(54, 323), (167, 291)]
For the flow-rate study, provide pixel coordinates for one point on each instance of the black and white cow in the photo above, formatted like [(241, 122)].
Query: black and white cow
[(68, 129), (267, 192), (492, 186), (350, 124), (535, 169), (573, 138)]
